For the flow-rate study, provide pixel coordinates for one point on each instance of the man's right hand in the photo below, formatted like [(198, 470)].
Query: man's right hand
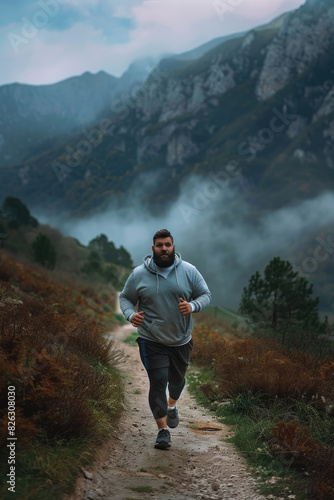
[(137, 319)]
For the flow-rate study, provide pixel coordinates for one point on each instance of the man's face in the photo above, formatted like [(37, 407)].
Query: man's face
[(163, 252)]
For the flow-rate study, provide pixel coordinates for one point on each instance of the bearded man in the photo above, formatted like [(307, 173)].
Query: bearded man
[(167, 290)]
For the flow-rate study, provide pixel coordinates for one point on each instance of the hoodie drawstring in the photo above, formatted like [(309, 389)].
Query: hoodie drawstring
[(177, 279), (157, 275)]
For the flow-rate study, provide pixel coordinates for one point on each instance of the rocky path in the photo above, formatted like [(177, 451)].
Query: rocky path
[(199, 465)]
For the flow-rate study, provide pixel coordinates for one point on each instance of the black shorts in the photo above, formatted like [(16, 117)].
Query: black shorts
[(155, 355)]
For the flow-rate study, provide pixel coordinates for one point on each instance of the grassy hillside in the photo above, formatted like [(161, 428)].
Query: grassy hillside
[(98, 266), (280, 405), (55, 361), (68, 393)]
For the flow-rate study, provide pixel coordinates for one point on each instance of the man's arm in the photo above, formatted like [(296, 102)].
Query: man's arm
[(128, 298), (201, 295)]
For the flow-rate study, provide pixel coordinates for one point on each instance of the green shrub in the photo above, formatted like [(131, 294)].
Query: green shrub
[(43, 251)]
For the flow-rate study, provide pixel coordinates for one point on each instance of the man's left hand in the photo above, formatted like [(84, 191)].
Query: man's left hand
[(184, 307)]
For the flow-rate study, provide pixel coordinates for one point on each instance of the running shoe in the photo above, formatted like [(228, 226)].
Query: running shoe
[(172, 418), (163, 440)]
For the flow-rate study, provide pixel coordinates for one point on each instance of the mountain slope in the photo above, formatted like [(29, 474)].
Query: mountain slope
[(37, 117), (263, 99), (31, 114)]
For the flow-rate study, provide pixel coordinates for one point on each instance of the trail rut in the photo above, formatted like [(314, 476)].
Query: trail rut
[(199, 465)]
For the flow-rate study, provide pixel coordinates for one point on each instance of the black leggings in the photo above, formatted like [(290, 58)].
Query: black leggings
[(159, 377), (173, 363)]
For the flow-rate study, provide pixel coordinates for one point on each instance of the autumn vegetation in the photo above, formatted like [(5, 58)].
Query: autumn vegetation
[(68, 391), (270, 375), (53, 317), (285, 397)]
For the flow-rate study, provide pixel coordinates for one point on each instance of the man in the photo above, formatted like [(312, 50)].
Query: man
[(167, 290)]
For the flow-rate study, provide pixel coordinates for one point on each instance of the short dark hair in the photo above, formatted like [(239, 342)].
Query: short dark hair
[(162, 233)]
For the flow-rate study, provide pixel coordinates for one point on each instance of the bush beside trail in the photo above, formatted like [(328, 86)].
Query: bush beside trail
[(68, 392), (285, 397)]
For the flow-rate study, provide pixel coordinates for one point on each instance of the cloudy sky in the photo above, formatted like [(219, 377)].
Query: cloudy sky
[(44, 41)]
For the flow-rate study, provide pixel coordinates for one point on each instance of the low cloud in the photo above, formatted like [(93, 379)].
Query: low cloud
[(218, 239)]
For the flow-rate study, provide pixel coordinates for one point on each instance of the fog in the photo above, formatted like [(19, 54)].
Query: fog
[(211, 230)]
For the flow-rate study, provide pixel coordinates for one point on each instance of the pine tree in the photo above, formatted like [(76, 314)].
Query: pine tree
[(17, 212), (281, 300), (124, 258), (43, 251)]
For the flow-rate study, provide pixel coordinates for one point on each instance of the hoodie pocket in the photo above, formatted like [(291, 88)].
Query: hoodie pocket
[(153, 328), (157, 330), (164, 331)]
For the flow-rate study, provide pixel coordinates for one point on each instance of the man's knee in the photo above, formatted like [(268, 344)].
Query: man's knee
[(158, 378), (176, 377), (177, 382), (157, 394), (175, 390)]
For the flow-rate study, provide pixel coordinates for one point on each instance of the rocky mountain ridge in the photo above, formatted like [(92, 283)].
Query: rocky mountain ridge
[(34, 117), (233, 118), (302, 38), (263, 99)]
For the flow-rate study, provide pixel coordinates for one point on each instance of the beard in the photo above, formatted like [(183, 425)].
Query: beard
[(164, 261)]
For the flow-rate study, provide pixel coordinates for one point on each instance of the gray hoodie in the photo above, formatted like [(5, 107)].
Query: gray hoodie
[(158, 297)]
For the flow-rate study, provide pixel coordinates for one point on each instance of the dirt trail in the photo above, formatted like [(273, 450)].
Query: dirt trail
[(199, 465)]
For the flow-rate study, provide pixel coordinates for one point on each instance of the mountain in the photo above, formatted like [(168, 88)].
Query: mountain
[(198, 52), (263, 99), (255, 114), (137, 72), (33, 114), (37, 117), (206, 47)]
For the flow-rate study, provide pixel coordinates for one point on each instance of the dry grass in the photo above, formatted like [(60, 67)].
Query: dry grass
[(49, 357), (61, 366), (52, 288), (295, 445), (262, 372), (259, 365)]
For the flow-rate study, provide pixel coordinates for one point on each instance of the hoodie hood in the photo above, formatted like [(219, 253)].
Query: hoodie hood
[(151, 267)]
